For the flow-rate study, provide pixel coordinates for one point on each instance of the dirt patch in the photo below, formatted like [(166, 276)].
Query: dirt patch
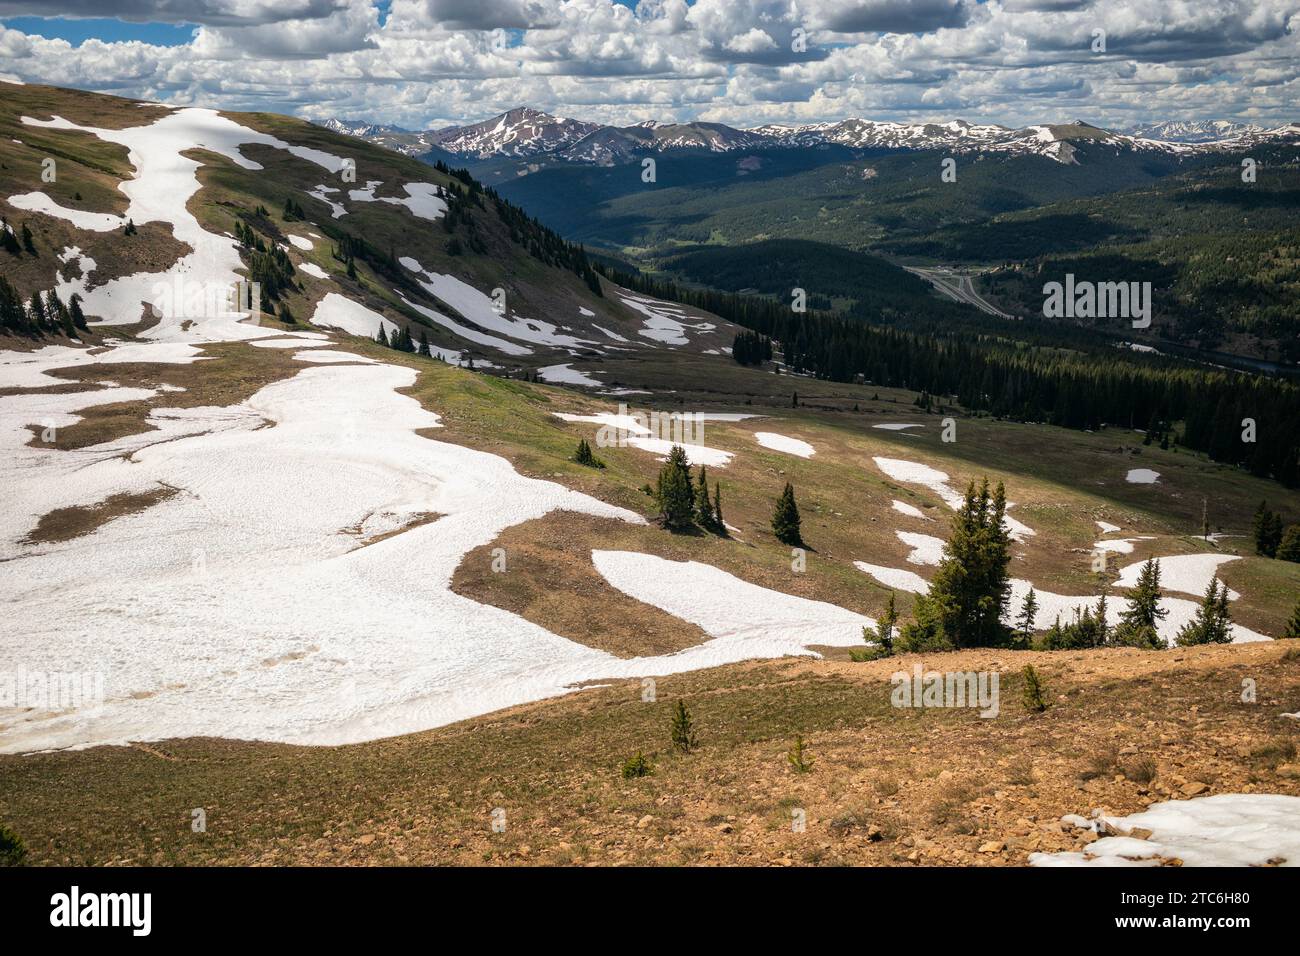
[(544, 573), (64, 524), (229, 373)]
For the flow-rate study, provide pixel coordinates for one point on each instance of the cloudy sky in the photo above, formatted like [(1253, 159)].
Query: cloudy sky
[(428, 63)]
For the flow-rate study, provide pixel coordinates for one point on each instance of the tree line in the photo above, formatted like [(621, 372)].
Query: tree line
[(1237, 418)]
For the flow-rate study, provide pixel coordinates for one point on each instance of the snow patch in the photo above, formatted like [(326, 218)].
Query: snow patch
[(783, 443), (1228, 829)]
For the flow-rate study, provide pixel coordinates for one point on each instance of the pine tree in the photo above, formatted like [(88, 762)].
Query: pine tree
[(78, 317), (382, 336), (8, 241), (798, 756), (1273, 537), (718, 523), (683, 729), (885, 628), (1103, 628), (703, 506), (1289, 549), (1031, 694), (1262, 531), (36, 309), (424, 344), (970, 590), (585, 456), (1213, 621), (1024, 633), (673, 491), (1138, 623), (27, 240), (285, 315), (1291, 630), (785, 519)]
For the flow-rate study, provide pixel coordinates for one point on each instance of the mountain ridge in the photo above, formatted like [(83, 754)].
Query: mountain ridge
[(526, 132)]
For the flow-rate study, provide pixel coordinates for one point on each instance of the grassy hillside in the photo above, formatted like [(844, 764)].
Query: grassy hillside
[(888, 787)]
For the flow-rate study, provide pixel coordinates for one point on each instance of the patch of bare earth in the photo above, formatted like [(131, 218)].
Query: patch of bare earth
[(64, 524), (543, 572)]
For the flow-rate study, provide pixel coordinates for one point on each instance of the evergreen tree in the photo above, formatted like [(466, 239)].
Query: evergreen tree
[(1291, 630), (1264, 530), (36, 310), (673, 492), (798, 756), (970, 590), (703, 506), (1024, 632), (585, 456), (1031, 694), (1273, 539), (424, 344), (925, 632), (1103, 628), (1213, 621), (382, 337), (885, 627), (785, 519), (683, 729), (27, 240), (8, 241), (718, 523), (1137, 627), (1289, 549), (78, 317), (285, 316)]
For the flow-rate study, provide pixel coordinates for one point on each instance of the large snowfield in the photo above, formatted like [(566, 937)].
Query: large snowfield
[(267, 597)]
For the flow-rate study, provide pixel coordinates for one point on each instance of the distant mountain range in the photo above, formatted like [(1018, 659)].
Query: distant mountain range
[(524, 132)]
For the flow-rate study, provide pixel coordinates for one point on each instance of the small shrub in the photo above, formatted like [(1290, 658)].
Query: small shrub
[(1102, 764), (12, 850), (683, 729), (1142, 770), (798, 756), (1032, 693), (1273, 753), (638, 766)]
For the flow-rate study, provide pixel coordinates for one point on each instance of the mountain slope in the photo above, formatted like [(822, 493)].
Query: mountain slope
[(414, 244)]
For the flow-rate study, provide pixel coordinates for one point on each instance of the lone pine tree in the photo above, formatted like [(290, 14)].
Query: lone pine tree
[(785, 518), (683, 729)]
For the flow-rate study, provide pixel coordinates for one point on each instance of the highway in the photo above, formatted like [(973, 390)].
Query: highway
[(956, 286)]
